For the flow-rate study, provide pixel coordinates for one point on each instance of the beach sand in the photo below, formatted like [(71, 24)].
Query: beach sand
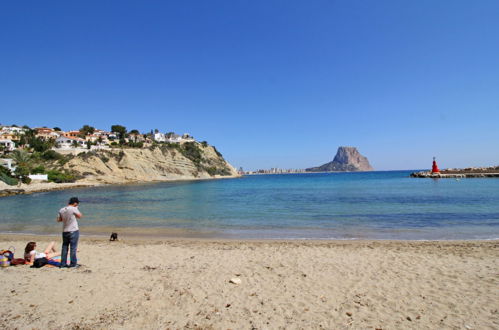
[(186, 284)]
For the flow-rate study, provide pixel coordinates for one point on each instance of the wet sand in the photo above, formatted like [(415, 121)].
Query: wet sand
[(181, 283)]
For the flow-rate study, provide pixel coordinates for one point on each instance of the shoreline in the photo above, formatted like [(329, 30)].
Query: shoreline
[(37, 187), (264, 235), (13, 236), (137, 284)]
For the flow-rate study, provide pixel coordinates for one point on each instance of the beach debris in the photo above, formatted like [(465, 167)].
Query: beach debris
[(349, 314), (149, 268), (227, 306), (235, 280), (408, 318)]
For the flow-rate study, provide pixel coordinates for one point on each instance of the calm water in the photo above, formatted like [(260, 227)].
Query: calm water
[(372, 205)]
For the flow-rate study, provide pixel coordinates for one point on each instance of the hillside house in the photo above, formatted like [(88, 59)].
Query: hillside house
[(136, 138), (7, 145), (159, 137), (13, 130), (65, 142), (8, 164), (10, 136), (45, 133), (72, 134)]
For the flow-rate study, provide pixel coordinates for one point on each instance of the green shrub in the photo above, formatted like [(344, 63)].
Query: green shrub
[(213, 170), (218, 153), (8, 180), (191, 151), (51, 155), (60, 177), (7, 177), (64, 159), (40, 169)]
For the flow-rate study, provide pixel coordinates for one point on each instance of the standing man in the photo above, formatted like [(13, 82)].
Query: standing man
[(70, 231)]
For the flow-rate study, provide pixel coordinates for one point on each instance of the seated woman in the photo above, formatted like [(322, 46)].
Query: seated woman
[(30, 254)]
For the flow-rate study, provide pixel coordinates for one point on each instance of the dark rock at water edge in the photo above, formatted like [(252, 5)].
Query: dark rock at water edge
[(347, 159), (8, 192)]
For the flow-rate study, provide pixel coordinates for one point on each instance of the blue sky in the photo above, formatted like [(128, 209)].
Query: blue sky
[(269, 83)]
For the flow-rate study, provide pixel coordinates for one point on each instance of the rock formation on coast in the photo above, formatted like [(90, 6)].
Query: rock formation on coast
[(160, 163), (163, 162), (347, 159)]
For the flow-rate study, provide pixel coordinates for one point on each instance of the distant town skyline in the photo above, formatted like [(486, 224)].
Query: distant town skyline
[(270, 84)]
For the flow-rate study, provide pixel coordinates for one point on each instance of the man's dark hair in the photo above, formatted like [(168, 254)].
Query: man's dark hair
[(73, 200)]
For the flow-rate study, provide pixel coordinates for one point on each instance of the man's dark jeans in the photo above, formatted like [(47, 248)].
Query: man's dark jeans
[(69, 239)]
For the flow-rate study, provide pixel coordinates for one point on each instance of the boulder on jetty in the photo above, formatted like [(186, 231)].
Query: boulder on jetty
[(347, 159), (469, 172)]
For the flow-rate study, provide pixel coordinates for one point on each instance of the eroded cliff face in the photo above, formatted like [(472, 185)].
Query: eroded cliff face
[(160, 163), (347, 159)]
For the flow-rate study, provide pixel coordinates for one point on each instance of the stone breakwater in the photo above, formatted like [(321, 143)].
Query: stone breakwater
[(470, 172)]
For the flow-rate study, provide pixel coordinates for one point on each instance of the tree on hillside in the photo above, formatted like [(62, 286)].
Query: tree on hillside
[(23, 168), (134, 131), (120, 130), (86, 130), (57, 129)]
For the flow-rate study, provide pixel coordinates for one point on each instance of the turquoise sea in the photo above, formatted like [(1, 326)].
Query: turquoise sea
[(367, 205)]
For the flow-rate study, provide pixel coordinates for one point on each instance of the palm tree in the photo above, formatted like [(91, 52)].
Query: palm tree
[(21, 157)]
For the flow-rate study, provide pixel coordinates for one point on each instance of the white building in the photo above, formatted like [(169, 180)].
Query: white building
[(159, 137), (8, 145), (39, 177), (13, 130), (173, 138), (65, 142), (7, 163)]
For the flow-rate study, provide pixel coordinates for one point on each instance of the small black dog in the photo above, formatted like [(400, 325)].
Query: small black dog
[(114, 237)]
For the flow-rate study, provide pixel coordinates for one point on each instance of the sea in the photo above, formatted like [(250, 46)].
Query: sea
[(310, 206)]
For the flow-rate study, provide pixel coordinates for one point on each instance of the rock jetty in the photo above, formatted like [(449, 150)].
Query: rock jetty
[(469, 172), (347, 159)]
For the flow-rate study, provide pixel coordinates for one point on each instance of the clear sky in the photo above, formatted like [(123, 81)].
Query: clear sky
[(269, 83)]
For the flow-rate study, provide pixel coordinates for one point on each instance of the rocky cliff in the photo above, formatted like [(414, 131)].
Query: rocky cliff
[(347, 159), (160, 163)]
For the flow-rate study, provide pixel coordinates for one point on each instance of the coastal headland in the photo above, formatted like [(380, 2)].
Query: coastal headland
[(206, 284), (126, 165)]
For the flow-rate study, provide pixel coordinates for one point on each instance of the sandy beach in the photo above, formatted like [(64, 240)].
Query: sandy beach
[(173, 284)]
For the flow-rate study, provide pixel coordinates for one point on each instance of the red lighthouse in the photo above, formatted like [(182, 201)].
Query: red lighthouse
[(434, 167)]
